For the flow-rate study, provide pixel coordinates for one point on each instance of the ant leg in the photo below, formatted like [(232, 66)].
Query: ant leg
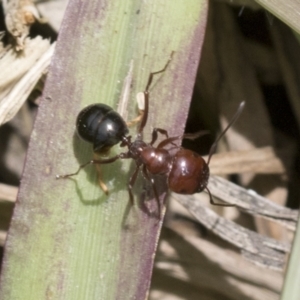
[(101, 183), (135, 120), (190, 136), (195, 135), (170, 140), (158, 72), (214, 203), (153, 188), (155, 134), (131, 184), (93, 162), (146, 94), (140, 98)]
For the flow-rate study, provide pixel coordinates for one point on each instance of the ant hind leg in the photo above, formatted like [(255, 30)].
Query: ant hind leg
[(154, 190), (214, 203), (131, 184)]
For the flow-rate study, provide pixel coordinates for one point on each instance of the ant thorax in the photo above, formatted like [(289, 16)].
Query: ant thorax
[(135, 149), (156, 160)]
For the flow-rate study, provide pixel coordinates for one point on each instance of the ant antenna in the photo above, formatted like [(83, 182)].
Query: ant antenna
[(235, 117)]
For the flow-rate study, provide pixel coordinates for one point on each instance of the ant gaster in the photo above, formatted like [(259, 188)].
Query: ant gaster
[(186, 171)]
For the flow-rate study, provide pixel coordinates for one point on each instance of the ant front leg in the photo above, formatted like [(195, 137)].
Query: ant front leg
[(140, 98), (101, 183), (135, 120), (93, 162), (96, 162), (146, 94)]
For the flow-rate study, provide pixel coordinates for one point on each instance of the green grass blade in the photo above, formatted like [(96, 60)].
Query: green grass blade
[(291, 287)]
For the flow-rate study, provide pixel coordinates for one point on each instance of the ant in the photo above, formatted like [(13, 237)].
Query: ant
[(186, 171)]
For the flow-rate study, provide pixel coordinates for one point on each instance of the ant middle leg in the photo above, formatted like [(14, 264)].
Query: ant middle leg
[(155, 132), (190, 136)]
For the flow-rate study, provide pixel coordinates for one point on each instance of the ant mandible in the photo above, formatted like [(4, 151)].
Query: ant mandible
[(186, 171)]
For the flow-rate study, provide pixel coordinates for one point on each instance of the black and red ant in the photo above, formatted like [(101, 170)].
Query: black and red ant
[(186, 171)]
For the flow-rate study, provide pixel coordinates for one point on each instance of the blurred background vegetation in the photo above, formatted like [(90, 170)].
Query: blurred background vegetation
[(248, 54)]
